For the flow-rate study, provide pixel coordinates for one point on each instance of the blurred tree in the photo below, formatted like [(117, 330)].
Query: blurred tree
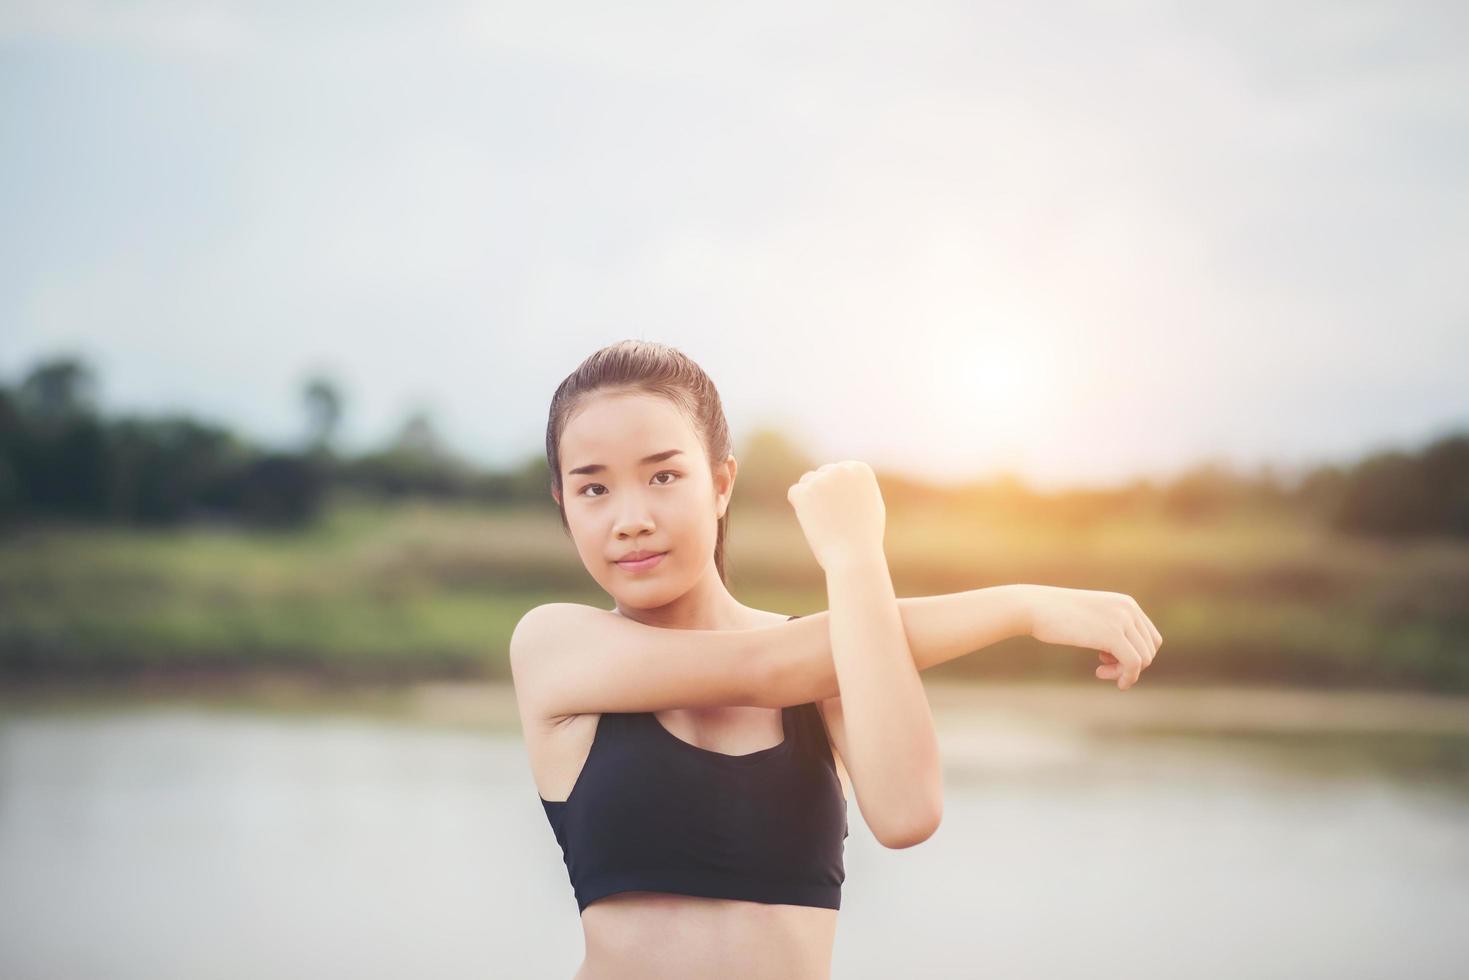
[(1386, 494), (769, 462), (420, 439), (57, 389), (1200, 493), (1399, 493), (278, 490), (54, 440), (417, 460), (323, 412), (167, 469), (1446, 470), (530, 480), (1320, 492), (12, 449)]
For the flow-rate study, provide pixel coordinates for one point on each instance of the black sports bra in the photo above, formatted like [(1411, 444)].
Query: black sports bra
[(651, 812)]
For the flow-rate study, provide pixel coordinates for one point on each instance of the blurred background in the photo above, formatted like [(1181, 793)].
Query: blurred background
[(1159, 298)]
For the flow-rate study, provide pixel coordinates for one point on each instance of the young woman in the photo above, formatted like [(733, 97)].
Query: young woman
[(687, 748)]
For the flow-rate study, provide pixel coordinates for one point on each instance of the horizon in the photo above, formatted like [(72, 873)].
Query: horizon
[(1081, 246)]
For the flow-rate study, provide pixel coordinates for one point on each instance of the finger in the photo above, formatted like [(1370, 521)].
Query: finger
[(1108, 672), (1157, 637), (1130, 659), (1151, 632), (1143, 643)]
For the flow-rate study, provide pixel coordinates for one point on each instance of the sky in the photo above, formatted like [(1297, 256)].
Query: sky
[(1076, 242)]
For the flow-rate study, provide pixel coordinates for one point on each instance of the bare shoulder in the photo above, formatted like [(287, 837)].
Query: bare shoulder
[(538, 621), (571, 659), (551, 623), (539, 630), (556, 745)]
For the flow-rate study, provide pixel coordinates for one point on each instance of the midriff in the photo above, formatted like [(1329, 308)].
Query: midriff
[(639, 935)]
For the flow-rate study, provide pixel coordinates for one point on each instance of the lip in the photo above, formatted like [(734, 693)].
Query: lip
[(642, 564)]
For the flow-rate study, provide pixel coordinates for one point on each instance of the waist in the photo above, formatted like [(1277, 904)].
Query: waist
[(647, 934)]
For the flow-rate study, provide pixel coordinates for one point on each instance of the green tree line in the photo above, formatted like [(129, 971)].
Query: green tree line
[(61, 457)]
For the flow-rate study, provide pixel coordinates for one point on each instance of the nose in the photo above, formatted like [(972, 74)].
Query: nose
[(633, 518)]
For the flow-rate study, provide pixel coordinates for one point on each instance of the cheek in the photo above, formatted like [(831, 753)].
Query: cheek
[(693, 536), (587, 542)]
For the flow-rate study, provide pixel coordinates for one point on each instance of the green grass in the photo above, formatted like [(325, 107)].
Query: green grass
[(425, 590)]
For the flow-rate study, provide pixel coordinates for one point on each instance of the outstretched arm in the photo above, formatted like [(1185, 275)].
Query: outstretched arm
[(799, 667), (568, 658), (796, 665)]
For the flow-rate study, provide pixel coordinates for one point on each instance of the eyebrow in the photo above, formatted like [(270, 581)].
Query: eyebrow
[(599, 467)]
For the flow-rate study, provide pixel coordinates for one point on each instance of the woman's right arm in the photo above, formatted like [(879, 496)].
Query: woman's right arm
[(568, 659), (944, 627), (939, 628)]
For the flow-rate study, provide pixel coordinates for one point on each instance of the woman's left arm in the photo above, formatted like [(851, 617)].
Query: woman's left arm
[(890, 749)]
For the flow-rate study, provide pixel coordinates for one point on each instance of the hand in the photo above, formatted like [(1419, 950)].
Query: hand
[(1109, 622), (841, 511)]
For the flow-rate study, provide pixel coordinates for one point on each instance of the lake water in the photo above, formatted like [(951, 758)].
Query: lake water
[(152, 841)]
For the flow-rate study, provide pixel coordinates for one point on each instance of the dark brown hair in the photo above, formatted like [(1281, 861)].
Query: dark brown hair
[(656, 369)]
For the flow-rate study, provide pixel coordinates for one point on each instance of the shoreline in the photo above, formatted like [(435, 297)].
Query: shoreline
[(1096, 708)]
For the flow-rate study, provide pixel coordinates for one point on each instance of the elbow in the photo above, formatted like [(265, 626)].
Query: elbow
[(914, 830)]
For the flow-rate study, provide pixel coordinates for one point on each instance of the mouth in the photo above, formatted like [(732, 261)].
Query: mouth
[(642, 564)]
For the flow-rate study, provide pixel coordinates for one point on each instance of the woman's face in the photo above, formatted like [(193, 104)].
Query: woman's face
[(633, 495)]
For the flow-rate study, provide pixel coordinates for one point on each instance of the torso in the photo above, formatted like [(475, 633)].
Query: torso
[(657, 934)]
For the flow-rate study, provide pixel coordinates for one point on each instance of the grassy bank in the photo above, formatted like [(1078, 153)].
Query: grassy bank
[(427, 591)]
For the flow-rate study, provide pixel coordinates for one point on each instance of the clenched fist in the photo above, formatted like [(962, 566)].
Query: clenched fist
[(841, 511)]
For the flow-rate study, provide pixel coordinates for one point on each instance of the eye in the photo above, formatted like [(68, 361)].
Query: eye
[(583, 491)]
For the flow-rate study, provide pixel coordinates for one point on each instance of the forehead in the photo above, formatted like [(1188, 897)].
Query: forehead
[(614, 429)]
